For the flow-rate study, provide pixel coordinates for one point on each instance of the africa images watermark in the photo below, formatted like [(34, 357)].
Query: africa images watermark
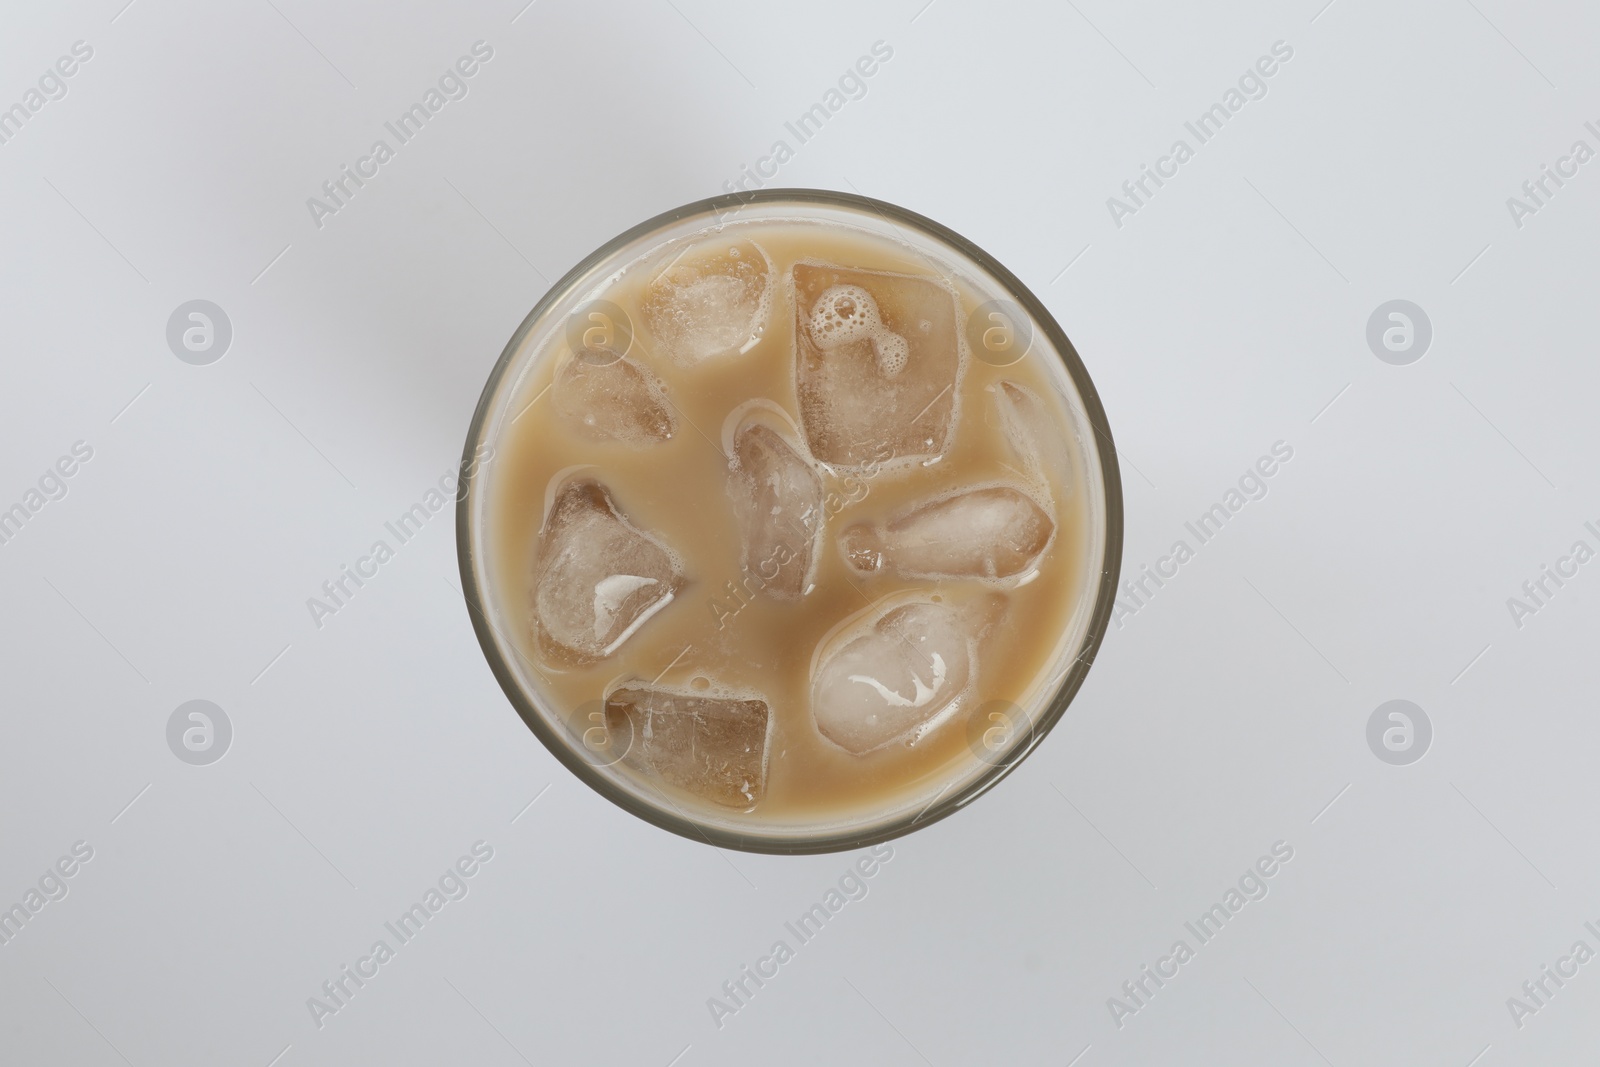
[(1537, 191), (338, 991), (338, 591), (51, 486), (52, 85), (52, 887), (852, 85), (1538, 991), (1252, 85), (852, 885), (1538, 591), (339, 190), (1138, 592), (1252, 886)]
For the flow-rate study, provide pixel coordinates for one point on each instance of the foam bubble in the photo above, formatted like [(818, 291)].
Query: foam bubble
[(847, 313), (843, 314), (893, 352)]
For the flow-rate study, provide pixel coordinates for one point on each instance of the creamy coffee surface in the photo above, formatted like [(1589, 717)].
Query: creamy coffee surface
[(783, 537)]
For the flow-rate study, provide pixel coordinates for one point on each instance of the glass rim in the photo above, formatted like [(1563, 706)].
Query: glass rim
[(677, 822)]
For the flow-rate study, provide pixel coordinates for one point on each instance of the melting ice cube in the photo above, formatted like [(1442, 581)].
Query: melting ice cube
[(596, 578), (1037, 439), (993, 532), (603, 396), (777, 496), (877, 360), (712, 300), (712, 746), (897, 676)]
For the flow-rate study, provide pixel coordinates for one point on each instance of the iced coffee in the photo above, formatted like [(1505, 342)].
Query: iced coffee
[(787, 528)]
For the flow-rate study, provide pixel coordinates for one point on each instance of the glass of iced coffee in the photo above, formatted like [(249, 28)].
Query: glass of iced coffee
[(790, 521)]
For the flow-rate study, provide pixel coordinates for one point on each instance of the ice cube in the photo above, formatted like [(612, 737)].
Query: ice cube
[(899, 675), (997, 531), (596, 578), (1036, 438), (712, 746), (603, 396), (777, 496), (712, 300), (878, 357)]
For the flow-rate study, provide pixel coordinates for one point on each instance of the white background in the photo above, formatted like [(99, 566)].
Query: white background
[(1223, 717)]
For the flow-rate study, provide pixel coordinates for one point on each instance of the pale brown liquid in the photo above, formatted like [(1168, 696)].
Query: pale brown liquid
[(678, 491)]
